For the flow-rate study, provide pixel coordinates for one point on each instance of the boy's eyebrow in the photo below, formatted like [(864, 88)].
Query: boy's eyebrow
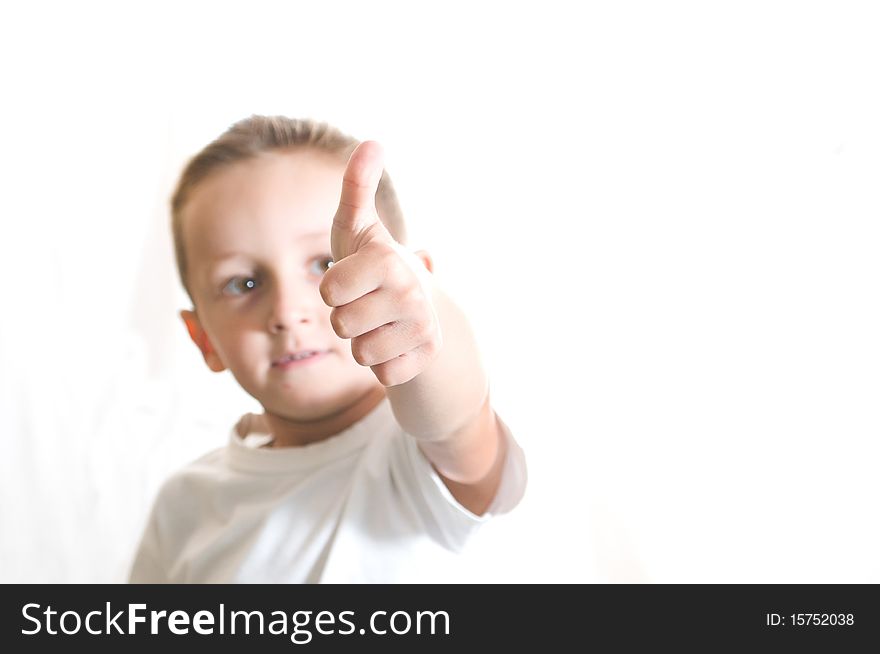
[(222, 256), (322, 233)]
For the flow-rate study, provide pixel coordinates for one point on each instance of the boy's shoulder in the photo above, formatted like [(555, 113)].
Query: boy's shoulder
[(202, 472), (208, 464)]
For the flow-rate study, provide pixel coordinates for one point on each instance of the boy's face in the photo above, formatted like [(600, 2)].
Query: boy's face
[(257, 239)]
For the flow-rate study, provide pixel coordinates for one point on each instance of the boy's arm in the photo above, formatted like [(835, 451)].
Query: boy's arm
[(447, 408), (414, 338)]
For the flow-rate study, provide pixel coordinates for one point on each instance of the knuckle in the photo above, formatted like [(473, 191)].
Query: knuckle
[(394, 372), (338, 322), (431, 346), (420, 331), (396, 270), (413, 299), (424, 329), (360, 352), (328, 290), (383, 374)]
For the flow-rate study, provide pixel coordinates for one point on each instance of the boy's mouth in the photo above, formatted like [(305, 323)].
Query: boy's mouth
[(300, 356)]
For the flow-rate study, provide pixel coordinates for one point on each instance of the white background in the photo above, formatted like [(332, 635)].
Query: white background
[(662, 219)]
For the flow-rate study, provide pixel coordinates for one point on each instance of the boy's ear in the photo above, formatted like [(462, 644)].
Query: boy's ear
[(426, 259), (200, 338)]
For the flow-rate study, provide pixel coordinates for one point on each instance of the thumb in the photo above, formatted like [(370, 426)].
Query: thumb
[(356, 218)]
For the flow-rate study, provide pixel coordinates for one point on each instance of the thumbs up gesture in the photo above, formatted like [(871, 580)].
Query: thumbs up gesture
[(380, 292)]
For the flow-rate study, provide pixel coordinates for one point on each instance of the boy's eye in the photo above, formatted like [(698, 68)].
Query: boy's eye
[(320, 265), (240, 285)]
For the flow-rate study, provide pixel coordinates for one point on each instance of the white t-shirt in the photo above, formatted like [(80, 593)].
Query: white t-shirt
[(364, 505)]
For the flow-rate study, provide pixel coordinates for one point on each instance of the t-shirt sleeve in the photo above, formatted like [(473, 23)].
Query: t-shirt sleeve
[(454, 522), (148, 566)]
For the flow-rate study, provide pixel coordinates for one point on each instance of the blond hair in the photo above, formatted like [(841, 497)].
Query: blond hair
[(256, 135)]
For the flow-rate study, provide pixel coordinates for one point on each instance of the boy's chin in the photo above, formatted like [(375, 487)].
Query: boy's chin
[(310, 407)]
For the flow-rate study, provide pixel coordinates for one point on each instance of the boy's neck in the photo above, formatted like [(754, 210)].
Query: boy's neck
[(292, 433)]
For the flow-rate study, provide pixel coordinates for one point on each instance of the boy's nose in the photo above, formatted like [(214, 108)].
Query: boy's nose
[(290, 308), (284, 317), (280, 324)]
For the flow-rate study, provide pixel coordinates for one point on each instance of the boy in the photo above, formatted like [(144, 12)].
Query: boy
[(378, 452)]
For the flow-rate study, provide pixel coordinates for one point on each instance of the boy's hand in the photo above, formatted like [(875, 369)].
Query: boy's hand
[(380, 292)]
